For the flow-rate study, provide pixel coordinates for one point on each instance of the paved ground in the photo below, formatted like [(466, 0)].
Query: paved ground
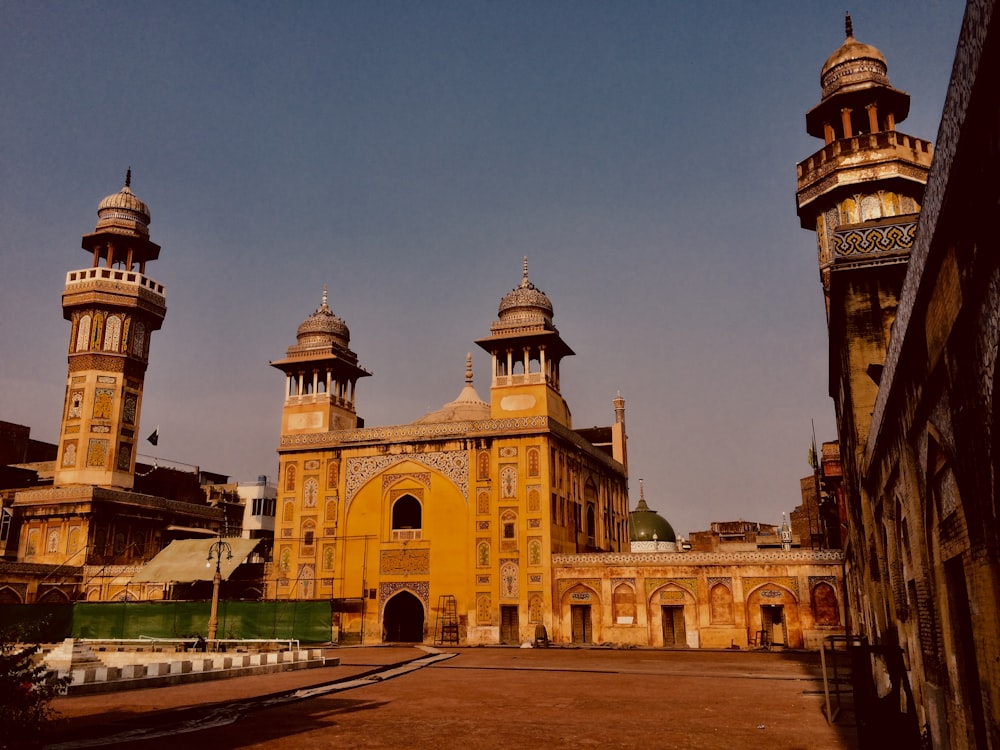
[(481, 698)]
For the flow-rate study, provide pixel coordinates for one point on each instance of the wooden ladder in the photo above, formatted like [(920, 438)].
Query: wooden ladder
[(447, 621)]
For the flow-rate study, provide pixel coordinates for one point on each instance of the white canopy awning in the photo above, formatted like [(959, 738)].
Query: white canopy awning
[(187, 560)]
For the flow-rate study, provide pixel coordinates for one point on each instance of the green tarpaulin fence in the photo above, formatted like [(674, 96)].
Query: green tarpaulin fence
[(306, 621)]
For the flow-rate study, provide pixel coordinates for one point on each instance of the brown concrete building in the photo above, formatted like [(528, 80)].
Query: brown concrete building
[(914, 324)]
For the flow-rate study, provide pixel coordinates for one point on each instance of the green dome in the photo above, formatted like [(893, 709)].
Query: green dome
[(645, 523)]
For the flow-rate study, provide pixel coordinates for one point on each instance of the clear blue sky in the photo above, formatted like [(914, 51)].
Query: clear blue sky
[(642, 155)]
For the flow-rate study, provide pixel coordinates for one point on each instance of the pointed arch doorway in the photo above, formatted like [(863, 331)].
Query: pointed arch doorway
[(403, 619)]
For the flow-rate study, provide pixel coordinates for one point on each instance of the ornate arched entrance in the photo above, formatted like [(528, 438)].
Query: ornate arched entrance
[(403, 619), (672, 617)]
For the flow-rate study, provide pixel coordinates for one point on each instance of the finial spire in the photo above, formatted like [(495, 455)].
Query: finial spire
[(848, 24), (641, 505), (128, 177), (524, 274), (468, 368), (324, 306)]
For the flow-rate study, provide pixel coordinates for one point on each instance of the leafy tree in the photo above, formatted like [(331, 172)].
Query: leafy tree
[(26, 688)]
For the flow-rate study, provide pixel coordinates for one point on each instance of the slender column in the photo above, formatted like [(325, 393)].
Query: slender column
[(845, 120), (542, 364), (527, 360), (829, 135), (510, 362), (300, 384), (213, 620), (315, 381), (288, 386), (872, 118), (329, 383)]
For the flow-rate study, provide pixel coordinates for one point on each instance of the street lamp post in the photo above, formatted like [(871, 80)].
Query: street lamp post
[(218, 547)]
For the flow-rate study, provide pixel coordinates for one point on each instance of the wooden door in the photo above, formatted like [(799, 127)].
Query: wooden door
[(674, 632), (582, 629), (509, 624)]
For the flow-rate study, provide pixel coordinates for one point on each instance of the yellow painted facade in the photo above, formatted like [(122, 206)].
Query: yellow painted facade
[(442, 529)]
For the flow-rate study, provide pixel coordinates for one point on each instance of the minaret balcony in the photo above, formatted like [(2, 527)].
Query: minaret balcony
[(100, 278), (331, 399), (863, 158), (532, 378)]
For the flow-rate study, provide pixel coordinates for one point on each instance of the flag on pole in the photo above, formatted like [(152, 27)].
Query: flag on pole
[(154, 437)]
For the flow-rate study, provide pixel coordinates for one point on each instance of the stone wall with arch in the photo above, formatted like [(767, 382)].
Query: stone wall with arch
[(722, 595)]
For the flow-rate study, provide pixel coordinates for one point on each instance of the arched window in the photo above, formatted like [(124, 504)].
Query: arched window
[(308, 537), (826, 610), (97, 331), (139, 340), (310, 492), (83, 334), (720, 604), (406, 518), (113, 334), (508, 530), (623, 604)]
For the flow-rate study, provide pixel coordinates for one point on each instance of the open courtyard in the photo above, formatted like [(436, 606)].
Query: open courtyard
[(404, 697)]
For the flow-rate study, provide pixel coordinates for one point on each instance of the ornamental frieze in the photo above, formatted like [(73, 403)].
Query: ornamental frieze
[(452, 464), (424, 477), (698, 558), (420, 589), (878, 239), (396, 562), (403, 433), (787, 582), (689, 584), (566, 584)]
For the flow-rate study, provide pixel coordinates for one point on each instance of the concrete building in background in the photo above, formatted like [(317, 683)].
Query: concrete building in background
[(912, 282)]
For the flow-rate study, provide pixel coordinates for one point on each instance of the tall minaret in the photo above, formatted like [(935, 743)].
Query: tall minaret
[(321, 373), (861, 192), (114, 308), (526, 349)]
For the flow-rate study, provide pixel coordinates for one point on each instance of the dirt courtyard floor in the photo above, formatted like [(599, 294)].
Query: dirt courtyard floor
[(481, 698)]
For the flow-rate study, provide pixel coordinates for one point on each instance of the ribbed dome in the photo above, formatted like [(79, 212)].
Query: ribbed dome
[(853, 65), (525, 304), (122, 212), (645, 525), (323, 328), (468, 407)]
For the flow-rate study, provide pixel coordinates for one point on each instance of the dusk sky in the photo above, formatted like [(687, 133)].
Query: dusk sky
[(409, 154)]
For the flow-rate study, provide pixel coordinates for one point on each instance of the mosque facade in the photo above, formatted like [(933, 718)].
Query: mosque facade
[(444, 527), (490, 522)]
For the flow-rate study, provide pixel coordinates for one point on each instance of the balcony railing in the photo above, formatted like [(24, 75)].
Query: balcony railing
[(406, 535), (117, 275)]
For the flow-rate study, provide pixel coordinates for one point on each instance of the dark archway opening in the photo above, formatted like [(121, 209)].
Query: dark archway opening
[(406, 513), (403, 619)]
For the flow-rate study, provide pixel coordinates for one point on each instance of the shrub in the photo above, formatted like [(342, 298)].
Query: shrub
[(26, 688)]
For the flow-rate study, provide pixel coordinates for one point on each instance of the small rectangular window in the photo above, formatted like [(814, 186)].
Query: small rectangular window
[(5, 517)]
